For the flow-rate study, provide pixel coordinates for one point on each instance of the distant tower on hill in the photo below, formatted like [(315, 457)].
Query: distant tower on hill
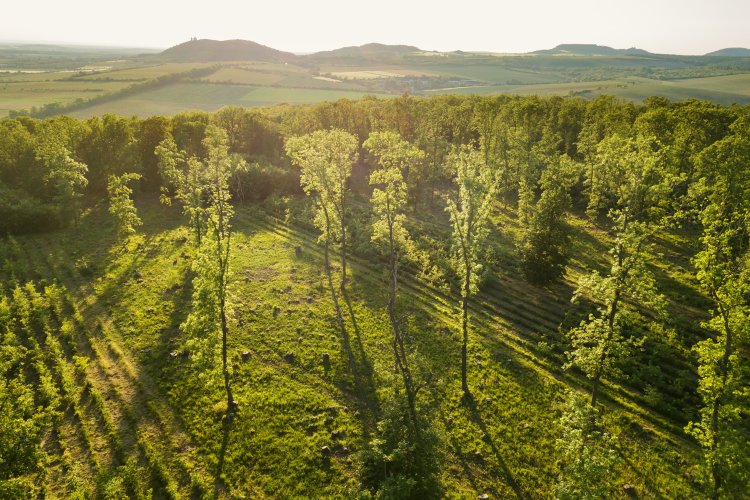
[(193, 38)]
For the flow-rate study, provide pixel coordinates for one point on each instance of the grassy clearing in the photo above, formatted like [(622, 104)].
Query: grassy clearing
[(147, 402)]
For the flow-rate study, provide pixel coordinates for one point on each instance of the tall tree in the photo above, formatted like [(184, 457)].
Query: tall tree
[(723, 269), (211, 266), (469, 208), (121, 205), (544, 236), (325, 158), (389, 197), (633, 179), (65, 177), (184, 180)]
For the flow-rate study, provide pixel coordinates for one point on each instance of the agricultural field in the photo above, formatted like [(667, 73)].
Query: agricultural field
[(172, 99), (722, 89), (382, 70), (27, 94), (145, 72)]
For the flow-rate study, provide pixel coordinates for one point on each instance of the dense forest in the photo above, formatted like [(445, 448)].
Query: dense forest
[(403, 298)]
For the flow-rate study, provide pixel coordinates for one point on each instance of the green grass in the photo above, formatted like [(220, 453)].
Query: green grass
[(127, 301)]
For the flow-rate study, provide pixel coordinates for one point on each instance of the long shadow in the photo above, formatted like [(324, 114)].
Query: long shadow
[(457, 451), (219, 486), (652, 490), (488, 438), (363, 366)]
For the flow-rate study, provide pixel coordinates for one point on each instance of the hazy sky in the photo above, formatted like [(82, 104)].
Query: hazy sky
[(667, 26)]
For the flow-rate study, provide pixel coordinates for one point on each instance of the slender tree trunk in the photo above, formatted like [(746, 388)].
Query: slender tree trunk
[(225, 368), (399, 350), (465, 330), (334, 297), (724, 370), (343, 250)]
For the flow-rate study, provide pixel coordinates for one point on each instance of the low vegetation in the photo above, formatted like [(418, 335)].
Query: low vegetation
[(403, 298)]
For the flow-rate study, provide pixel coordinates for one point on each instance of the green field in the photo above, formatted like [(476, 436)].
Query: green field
[(632, 77), (493, 72), (723, 89), (24, 95), (146, 72), (172, 99), (245, 76)]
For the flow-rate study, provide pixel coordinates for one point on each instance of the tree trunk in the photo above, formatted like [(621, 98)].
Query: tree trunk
[(343, 251), (225, 368), (399, 350), (334, 297), (465, 331), (724, 369)]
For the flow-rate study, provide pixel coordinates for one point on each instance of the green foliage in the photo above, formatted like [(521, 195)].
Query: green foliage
[(325, 158), (207, 320), (586, 454), (185, 178), (399, 464), (544, 241), (395, 156), (22, 418), (121, 205), (469, 209), (723, 269), (66, 177)]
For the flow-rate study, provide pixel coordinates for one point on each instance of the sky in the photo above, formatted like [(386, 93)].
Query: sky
[(662, 26)]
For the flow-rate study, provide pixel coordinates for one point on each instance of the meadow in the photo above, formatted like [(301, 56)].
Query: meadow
[(142, 417)]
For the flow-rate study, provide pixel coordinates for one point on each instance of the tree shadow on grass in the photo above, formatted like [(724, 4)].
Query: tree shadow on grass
[(227, 425), (507, 474), (651, 488), (363, 370), (456, 447)]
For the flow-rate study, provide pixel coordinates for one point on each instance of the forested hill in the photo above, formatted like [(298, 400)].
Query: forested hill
[(731, 52), (205, 50), (367, 52), (419, 298), (582, 49)]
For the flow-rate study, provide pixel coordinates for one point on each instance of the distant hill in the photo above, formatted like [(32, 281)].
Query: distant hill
[(584, 49), (225, 50), (731, 52), (370, 51)]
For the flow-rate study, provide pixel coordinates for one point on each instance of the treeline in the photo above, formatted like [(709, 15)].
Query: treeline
[(514, 132)]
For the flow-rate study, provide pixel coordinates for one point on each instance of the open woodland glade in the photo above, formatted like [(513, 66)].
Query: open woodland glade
[(414, 297)]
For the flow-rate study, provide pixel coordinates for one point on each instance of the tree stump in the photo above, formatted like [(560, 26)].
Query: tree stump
[(298, 251)]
